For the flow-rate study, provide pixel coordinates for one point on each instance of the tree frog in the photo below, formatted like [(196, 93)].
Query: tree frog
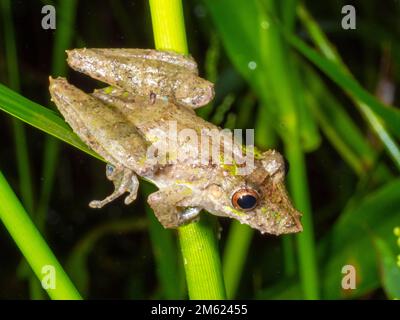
[(148, 106)]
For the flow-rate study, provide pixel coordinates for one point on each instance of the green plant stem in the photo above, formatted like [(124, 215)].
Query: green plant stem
[(31, 243), (305, 240), (235, 255), (198, 241), (279, 63), (289, 260), (168, 25), (201, 260)]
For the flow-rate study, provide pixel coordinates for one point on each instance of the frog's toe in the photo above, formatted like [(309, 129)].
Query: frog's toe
[(132, 189), (124, 181), (190, 214), (96, 204)]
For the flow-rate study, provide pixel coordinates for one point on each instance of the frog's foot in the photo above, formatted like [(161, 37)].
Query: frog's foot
[(124, 180), (168, 206)]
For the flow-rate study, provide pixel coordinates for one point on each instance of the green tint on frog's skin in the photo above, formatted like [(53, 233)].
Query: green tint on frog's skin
[(230, 168), (258, 155), (108, 90), (235, 211)]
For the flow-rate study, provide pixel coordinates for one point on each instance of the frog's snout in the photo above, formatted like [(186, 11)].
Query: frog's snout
[(204, 96)]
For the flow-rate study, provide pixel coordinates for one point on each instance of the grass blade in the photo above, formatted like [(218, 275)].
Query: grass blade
[(21, 146), (62, 41), (40, 117), (198, 241), (259, 54), (31, 243), (374, 111), (235, 253)]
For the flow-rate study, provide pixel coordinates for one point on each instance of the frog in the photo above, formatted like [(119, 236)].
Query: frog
[(122, 124)]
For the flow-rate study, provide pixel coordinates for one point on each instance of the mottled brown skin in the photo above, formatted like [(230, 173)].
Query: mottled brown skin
[(120, 126), (144, 72)]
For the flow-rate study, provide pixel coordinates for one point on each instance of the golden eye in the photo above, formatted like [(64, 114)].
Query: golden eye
[(245, 199)]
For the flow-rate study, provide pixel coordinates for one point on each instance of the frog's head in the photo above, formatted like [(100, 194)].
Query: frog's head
[(194, 92), (260, 199)]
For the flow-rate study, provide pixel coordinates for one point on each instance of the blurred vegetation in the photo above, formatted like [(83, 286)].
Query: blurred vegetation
[(324, 96)]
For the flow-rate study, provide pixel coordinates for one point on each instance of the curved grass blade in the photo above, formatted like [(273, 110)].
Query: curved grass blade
[(388, 268), (31, 243), (259, 54), (22, 152), (40, 117), (368, 105), (353, 234), (389, 114)]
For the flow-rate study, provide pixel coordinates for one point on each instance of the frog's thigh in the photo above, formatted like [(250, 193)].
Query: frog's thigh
[(124, 180), (165, 204), (176, 59), (66, 96)]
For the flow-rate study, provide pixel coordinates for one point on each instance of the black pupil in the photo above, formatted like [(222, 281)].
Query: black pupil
[(247, 201)]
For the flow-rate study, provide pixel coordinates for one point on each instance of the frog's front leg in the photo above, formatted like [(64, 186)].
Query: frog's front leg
[(172, 206), (125, 180)]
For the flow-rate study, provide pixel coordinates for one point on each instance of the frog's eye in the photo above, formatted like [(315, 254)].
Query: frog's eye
[(245, 199)]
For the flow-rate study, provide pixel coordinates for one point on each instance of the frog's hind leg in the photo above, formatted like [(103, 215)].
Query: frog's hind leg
[(124, 180), (76, 56)]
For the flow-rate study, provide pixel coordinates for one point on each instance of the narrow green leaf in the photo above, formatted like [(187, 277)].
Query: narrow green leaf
[(388, 269), (259, 53), (40, 117), (31, 243), (348, 242), (235, 254), (352, 236)]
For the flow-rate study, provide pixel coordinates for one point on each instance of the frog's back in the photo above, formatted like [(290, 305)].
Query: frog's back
[(150, 115), (173, 130)]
